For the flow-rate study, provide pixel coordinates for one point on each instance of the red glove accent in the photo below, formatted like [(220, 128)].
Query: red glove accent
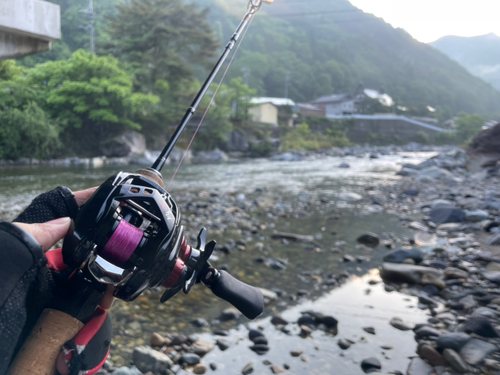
[(55, 260)]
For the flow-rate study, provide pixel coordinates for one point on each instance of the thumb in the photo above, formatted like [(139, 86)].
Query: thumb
[(47, 234)]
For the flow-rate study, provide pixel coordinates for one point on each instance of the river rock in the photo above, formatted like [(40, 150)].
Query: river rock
[(405, 272), (479, 325), (344, 165), (426, 332), (444, 215), (430, 279), (455, 360), (344, 344), (287, 156), (202, 347), (484, 150), (411, 192), (370, 365), (209, 157), (277, 369), (349, 196), (476, 216), (453, 340), (451, 273), (487, 312), (254, 333), (127, 371), (369, 330), (147, 359), (292, 237), (435, 173), (475, 351), (200, 369), (431, 355), (189, 359), (418, 366), (131, 142), (230, 314), (493, 276), (493, 240), (399, 256), (369, 240), (399, 324), (260, 349), (158, 340), (223, 344), (248, 369), (278, 320), (269, 295)]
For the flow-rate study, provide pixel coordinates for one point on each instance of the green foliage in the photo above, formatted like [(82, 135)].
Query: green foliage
[(302, 138), (468, 126), (241, 95), (262, 148), (27, 132), (162, 40)]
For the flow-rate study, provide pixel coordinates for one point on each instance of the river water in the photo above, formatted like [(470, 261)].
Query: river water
[(319, 178)]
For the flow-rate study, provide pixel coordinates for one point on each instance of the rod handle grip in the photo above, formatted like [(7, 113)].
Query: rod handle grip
[(39, 353), (246, 298)]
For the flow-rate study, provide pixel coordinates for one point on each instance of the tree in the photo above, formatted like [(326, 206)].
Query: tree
[(90, 97), (162, 40), (468, 126)]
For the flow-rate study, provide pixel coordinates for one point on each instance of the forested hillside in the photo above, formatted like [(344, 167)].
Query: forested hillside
[(479, 54)]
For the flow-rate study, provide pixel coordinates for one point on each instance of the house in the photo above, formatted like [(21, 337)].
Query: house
[(266, 109), (310, 110), (337, 104), (363, 93)]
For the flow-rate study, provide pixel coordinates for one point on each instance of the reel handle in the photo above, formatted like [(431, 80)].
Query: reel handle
[(246, 298)]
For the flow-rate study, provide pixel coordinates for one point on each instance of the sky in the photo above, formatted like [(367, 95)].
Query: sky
[(429, 20)]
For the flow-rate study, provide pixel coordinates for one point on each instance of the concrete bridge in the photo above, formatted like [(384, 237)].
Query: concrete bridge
[(387, 126), (27, 27)]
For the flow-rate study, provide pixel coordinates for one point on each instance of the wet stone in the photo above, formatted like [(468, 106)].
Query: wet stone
[(179, 340), (221, 332), (200, 369), (260, 349), (189, 359), (431, 355), (260, 340), (344, 344), (253, 333), (399, 324), (369, 330), (202, 347), (453, 340), (455, 360), (213, 366), (426, 332), (223, 344), (370, 365), (369, 240), (475, 351), (479, 325), (230, 314), (278, 320), (419, 367), (248, 369), (277, 369), (158, 340), (296, 353), (199, 322), (147, 359)]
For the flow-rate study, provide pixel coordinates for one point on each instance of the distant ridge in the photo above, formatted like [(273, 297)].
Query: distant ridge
[(480, 55)]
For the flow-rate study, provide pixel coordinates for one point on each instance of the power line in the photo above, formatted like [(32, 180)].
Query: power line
[(316, 13)]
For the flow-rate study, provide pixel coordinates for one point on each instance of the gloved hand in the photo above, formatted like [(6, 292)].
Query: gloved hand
[(87, 352)]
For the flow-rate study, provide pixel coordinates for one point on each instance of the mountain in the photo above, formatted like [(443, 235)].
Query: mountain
[(479, 54), (330, 47)]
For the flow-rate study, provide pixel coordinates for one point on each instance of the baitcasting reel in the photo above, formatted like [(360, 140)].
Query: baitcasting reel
[(128, 234)]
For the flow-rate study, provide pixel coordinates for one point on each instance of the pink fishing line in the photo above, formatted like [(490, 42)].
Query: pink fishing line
[(211, 102), (122, 243)]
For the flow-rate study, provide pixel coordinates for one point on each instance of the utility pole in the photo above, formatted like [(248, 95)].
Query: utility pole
[(91, 25), (246, 74), (287, 80)]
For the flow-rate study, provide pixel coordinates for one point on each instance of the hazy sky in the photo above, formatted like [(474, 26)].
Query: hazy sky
[(428, 20)]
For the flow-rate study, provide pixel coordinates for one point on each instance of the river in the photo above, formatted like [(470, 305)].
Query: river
[(318, 178)]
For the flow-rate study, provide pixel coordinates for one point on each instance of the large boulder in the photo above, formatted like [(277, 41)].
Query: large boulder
[(406, 273), (130, 143), (435, 173), (444, 215), (210, 157), (484, 150)]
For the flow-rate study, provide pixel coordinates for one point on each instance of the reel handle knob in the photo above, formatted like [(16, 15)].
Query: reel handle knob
[(248, 299)]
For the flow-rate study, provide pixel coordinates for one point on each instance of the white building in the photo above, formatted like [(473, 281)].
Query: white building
[(336, 105)]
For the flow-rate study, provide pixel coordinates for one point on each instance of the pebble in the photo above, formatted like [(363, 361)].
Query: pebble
[(399, 324), (278, 320), (344, 344), (158, 340), (260, 349), (369, 239), (453, 340), (253, 333), (369, 330), (147, 359), (296, 353), (248, 369), (455, 360), (419, 367), (370, 365), (431, 355), (189, 359), (200, 369), (277, 369)]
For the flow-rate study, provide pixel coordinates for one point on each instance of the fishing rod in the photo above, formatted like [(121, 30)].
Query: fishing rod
[(128, 236)]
